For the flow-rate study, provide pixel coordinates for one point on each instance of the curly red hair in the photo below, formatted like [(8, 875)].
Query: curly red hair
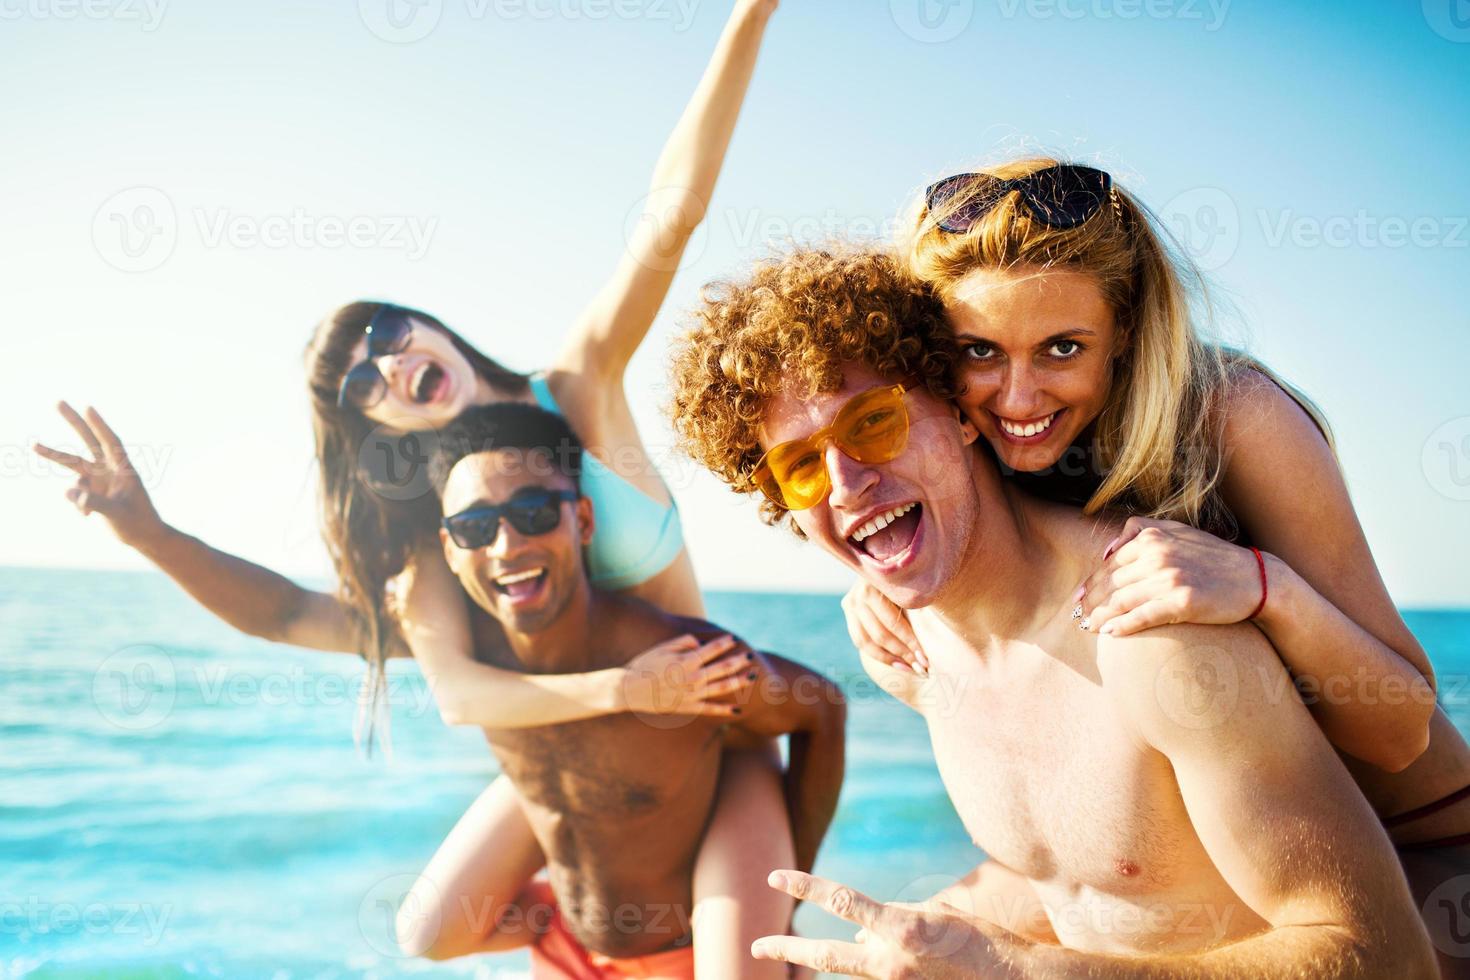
[(795, 319)]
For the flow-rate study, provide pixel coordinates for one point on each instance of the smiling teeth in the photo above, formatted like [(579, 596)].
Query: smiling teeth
[(881, 521), (519, 577), (1029, 429)]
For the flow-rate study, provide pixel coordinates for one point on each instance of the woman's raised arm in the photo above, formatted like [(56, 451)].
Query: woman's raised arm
[(611, 328)]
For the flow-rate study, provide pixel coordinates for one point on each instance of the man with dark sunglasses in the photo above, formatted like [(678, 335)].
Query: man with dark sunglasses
[(618, 804), (1159, 805)]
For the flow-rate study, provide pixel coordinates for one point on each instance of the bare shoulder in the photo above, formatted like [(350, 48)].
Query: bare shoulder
[(1192, 678), (640, 624), (1259, 414)]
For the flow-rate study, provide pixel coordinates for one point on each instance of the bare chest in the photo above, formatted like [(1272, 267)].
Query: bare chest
[(1045, 773)]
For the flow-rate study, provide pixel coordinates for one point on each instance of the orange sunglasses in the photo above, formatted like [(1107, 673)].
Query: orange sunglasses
[(871, 428)]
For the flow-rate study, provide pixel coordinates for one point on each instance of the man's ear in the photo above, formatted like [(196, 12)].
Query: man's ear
[(586, 519), (968, 432)]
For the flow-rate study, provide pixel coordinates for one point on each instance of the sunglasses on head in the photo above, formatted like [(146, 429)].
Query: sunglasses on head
[(389, 332), (871, 428), (1062, 196), (530, 510)]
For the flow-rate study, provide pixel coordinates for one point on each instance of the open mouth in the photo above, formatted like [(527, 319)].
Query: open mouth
[(428, 384), (522, 586), (887, 536), (1027, 431)]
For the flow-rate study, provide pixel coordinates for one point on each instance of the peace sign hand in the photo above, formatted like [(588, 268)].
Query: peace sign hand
[(107, 483), (913, 942)]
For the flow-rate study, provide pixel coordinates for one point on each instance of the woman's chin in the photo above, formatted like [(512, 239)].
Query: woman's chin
[(1025, 459)]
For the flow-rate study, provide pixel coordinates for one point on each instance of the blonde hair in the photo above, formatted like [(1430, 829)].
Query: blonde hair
[(1157, 440), (796, 318)]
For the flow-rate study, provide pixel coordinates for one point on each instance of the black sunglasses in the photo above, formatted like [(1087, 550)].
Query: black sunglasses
[(530, 510), (389, 332), (1063, 196)]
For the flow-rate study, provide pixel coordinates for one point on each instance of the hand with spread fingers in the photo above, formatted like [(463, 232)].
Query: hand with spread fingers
[(1157, 573), (880, 630), (922, 942), (107, 483), (683, 676)]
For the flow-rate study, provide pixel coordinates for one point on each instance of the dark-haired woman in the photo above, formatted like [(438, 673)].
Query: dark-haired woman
[(381, 376)]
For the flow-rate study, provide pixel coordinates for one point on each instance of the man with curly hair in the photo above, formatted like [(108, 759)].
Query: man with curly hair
[(1156, 805)]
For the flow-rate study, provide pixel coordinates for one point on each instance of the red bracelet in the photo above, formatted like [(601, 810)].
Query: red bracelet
[(1265, 590)]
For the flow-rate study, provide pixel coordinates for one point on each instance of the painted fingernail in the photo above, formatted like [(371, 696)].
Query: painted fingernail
[(1077, 596), (1085, 624), (1077, 611)]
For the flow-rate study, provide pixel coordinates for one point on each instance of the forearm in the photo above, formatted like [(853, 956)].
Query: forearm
[(250, 597), (813, 781), (695, 151), (1372, 701), (478, 694)]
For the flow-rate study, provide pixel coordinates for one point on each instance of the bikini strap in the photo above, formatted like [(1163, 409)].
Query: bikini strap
[(1428, 808)]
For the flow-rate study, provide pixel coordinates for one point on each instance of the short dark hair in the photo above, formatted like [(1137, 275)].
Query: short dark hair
[(488, 428)]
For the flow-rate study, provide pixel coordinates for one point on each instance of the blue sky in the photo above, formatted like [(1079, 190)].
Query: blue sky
[(1313, 156)]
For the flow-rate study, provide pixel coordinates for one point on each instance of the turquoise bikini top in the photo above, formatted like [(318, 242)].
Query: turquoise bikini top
[(637, 537)]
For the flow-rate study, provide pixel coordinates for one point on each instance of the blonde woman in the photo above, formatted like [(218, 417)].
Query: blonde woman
[(1084, 372)]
